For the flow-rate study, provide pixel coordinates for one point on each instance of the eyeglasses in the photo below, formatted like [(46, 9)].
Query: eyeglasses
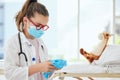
[(40, 26)]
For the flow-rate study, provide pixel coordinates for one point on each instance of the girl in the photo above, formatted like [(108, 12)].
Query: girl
[(25, 53)]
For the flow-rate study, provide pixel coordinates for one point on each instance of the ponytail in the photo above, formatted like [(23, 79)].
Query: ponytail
[(22, 13)]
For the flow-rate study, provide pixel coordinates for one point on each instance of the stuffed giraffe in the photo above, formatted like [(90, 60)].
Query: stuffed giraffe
[(97, 52)]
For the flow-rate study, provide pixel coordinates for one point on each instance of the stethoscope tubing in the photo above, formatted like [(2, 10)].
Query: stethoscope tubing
[(21, 52)]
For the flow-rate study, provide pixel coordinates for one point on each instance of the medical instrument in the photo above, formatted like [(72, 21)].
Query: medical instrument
[(21, 50), (58, 63)]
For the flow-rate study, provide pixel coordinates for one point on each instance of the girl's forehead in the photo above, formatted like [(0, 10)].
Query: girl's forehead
[(38, 18)]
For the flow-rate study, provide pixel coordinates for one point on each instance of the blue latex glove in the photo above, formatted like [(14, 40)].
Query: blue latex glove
[(58, 63)]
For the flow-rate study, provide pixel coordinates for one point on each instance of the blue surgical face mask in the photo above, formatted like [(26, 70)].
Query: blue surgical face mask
[(34, 32)]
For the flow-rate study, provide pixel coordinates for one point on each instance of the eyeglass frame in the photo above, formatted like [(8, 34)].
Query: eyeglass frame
[(38, 26)]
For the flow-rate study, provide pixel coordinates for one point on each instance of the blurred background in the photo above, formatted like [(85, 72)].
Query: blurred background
[(74, 24)]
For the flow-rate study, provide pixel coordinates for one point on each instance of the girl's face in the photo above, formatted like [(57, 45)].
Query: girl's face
[(38, 20)]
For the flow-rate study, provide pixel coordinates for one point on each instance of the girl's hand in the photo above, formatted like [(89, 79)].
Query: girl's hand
[(46, 66)]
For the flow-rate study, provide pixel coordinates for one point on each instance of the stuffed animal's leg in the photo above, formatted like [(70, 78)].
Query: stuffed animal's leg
[(89, 56)]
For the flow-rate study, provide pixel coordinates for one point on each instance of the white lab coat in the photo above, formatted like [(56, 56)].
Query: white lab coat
[(15, 66)]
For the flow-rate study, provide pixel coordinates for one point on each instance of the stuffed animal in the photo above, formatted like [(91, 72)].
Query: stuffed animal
[(97, 52)]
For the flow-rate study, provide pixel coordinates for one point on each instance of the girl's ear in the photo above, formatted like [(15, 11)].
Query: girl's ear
[(25, 23), (25, 20)]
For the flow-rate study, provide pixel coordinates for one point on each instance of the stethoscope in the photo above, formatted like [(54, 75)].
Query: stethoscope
[(21, 50)]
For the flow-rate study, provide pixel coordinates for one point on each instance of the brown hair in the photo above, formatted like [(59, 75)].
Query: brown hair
[(28, 9)]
